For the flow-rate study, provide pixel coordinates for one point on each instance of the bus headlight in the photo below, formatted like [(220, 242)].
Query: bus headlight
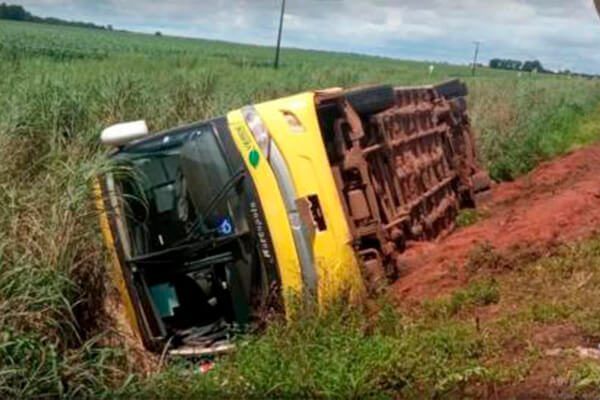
[(258, 129)]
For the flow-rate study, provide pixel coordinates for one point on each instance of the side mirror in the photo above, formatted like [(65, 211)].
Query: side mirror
[(120, 134)]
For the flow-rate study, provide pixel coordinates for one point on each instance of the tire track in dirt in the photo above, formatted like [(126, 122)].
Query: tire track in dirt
[(556, 203)]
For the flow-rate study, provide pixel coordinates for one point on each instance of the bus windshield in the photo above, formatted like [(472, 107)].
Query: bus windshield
[(184, 191)]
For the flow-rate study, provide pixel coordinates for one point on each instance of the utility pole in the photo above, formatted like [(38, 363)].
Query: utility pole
[(279, 35), (474, 68)]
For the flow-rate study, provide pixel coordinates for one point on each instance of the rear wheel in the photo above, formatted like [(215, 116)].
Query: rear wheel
[(372, 100)]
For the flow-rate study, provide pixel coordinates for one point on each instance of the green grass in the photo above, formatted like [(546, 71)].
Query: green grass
[(470, 216), (60, 86), (524, 122), (339, 355), (478, 293)]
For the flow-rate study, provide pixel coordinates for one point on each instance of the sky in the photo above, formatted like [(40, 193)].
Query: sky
[(562, 34)]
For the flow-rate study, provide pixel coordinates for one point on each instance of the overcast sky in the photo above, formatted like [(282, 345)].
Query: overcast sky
[(560, 33)]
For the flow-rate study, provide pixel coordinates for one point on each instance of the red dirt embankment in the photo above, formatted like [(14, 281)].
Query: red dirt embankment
[(557, 202)]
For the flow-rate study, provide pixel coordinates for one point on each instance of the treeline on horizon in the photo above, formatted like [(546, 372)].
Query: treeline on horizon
[(18, 13), (516, 65), (531, 66)]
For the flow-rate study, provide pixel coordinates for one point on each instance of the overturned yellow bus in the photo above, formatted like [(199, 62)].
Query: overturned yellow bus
[(210, 225)]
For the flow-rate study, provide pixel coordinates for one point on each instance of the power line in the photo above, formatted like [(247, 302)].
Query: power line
[(279, 35)]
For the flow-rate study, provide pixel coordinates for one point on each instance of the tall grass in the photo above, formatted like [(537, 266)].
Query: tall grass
[(340, 354), (522, 122), (60, 86)]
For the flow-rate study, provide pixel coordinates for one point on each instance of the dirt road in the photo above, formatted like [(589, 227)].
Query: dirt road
[(558, 202)]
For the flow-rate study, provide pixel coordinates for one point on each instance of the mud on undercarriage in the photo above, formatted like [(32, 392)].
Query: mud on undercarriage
[(405, 162)]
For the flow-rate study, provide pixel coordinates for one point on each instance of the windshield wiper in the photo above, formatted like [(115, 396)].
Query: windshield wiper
[(158, 257), (235, 179)]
